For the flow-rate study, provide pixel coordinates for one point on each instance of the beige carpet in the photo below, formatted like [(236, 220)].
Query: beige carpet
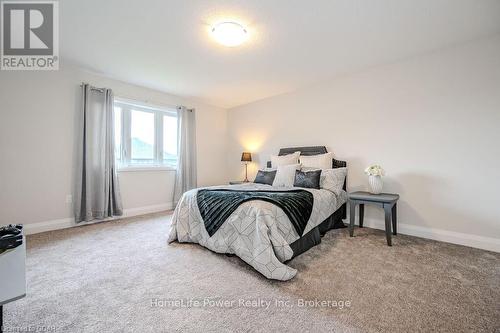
[(105, 277)]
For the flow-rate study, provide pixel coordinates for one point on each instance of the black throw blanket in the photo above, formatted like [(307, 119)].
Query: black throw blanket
[(217, 205)]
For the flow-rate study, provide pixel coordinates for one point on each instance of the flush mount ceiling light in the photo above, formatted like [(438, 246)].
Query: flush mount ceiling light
[(229, 33)]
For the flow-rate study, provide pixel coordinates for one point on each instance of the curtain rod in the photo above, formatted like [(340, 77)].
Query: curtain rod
[(92, 87), (128, 99), (148, 102)]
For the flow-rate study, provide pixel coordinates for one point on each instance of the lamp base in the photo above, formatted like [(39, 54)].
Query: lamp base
[(246, 173)]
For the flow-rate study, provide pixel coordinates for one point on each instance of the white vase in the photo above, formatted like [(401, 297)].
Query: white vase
[(376, 184)]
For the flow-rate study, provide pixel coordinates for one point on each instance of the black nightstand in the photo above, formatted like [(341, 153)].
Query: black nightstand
[(387, 201), (237, 182)]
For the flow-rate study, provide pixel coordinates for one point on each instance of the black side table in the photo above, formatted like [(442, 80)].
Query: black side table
[(387, 201), (237, 182)]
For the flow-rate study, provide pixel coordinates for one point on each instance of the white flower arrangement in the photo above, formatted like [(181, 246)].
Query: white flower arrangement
[(375, 170)]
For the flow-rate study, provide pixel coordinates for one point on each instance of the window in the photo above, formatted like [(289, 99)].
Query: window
[(169, 140), (145, 136), (142, 135)]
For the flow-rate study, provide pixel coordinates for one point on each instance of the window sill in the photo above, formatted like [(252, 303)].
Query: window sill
[(146, 168)]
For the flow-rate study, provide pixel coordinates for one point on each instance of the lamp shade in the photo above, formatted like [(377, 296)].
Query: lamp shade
[(246, 157)]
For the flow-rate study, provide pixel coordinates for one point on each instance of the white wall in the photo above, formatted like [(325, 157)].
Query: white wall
[(433, 122), (38, 112)]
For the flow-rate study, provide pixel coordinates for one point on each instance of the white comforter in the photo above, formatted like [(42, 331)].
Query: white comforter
[(258, 231)]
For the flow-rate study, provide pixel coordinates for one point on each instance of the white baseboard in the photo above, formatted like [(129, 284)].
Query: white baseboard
[(480, 242), (37, 227), (147, 209)]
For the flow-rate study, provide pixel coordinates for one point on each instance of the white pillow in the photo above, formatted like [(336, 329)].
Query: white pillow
[(276, 161), (322, 161), (285, 175), (333, 179)]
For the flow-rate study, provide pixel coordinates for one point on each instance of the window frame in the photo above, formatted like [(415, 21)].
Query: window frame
[(124, 163)]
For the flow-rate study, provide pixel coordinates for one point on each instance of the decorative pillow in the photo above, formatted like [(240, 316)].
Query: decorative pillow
[(265, 177), (307, 179), (285, 175), (289, 159), (322, 161), (333, 179)]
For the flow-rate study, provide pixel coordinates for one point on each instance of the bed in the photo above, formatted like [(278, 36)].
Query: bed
[(258, 231)]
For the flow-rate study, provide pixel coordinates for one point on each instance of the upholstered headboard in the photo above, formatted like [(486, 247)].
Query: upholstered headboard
[(313, 150), (308, 151)]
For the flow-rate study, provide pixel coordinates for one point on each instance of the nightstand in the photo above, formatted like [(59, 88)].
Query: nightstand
[(388, 201), (237, 182)]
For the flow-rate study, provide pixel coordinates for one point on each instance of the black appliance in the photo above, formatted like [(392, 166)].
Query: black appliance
[(11, 236)]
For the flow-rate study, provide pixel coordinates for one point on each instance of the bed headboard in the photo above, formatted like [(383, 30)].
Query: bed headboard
[(308, 151), (313, 150)]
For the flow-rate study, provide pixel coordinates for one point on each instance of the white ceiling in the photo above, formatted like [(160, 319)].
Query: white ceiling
[(165, 44)]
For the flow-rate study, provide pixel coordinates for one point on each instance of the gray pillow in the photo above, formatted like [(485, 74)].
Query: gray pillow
[(307, 179), (265, 177)]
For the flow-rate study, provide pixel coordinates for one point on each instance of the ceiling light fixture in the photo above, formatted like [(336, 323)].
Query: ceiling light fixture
[(229, 33)]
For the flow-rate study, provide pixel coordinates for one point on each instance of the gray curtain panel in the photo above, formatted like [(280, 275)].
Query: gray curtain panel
[(97, 194), (185, 178)]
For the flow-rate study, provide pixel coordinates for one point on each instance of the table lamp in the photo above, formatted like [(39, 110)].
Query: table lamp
[(246, 157)]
